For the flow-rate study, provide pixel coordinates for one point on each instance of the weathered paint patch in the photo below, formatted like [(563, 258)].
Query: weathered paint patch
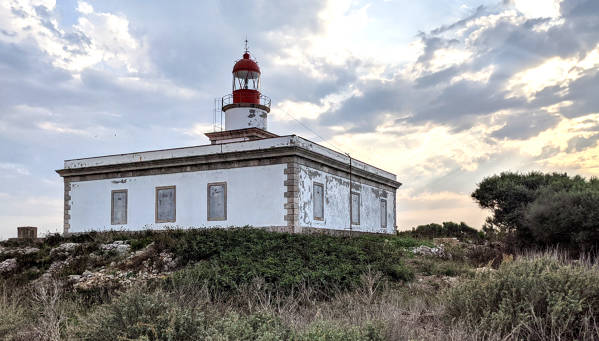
[(337, 203)]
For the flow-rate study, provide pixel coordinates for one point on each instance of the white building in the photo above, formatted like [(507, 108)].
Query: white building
[(246, 176)]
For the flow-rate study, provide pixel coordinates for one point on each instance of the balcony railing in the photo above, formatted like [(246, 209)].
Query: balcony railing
[(228, 99)]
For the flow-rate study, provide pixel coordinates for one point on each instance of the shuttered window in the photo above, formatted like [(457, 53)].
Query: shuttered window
[(118, 207), (383, 213), (318, 201), (217, 201), (355, 208), (166, 204)]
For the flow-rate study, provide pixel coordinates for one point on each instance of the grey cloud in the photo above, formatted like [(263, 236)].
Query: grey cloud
[(524, 125), (510, 47), (437, 78), (579, 143)]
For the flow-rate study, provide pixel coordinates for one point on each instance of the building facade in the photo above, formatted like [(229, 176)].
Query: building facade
[(246, 176)]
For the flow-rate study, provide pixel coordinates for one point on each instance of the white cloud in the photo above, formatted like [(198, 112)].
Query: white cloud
[(551, 72), (84, 7), (11, 169), (538, 8), (57, 128)]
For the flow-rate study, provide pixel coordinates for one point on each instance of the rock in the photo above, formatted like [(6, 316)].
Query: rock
[(8, 265), (119, 246), (424, 250), (59, 265), (74, 278), (17, 251), (484, 269), (63, 249)]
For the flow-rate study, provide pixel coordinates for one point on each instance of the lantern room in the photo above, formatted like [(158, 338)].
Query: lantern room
[(246, 81)]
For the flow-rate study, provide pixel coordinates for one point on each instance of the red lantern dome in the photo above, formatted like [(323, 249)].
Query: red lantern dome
[(246, 81), (246, 64)]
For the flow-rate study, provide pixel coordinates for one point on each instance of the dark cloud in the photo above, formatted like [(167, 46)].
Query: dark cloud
[(579, 143), (526, 125), (510, 46)]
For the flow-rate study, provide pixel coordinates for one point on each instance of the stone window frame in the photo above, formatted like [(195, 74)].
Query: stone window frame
[(314, 201), (174, 204), (383, 222), (126, 191), (224, 184), (351, 209)]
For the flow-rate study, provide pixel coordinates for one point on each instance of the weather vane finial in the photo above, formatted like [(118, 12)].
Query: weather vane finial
[(246, 43)]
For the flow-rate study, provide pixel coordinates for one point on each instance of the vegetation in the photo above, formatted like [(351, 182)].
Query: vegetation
[(537, 297), (542, 210), (250, 284), (448, 229)]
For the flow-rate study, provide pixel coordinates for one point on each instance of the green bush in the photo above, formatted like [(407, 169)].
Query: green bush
[(227, 258), (565, 219), (535, 298), (140, 315), (448, 229), (259, 326), (13, 315), (536, 209), (326, 331)]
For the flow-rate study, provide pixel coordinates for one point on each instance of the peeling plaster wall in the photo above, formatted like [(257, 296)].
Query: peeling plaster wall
[(254, 197), (239, 118), (337, 205)]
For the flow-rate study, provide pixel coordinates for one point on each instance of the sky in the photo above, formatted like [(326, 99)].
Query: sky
[(441, 93)]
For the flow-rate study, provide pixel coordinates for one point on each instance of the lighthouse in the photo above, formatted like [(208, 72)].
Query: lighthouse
[(245, 108), (246, 176)]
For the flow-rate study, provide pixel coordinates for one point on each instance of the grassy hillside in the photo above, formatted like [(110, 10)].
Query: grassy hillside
[(249, 284)]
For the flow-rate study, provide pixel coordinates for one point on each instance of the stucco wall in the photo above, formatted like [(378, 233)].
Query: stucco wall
[(337, 206), (240, 118), (254, 197)]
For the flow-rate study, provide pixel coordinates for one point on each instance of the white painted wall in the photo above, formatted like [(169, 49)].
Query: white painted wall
[(337, 206), (241, 118), (255, 196)]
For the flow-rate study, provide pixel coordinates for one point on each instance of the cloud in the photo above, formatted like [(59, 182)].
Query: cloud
[(442, 98)]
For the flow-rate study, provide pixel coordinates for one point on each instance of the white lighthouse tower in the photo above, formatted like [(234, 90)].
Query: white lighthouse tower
[(246, 109)]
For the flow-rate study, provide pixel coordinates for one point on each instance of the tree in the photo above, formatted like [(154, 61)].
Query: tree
[(569, 219), (535, 208)]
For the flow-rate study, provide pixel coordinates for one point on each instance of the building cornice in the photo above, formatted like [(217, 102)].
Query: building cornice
[(287, 146)]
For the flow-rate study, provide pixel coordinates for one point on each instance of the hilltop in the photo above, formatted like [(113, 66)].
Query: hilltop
[(243, 283)]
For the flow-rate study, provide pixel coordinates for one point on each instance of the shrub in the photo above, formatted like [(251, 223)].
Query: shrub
[(13, 315), (534, 298), (566, 219), (448, 229), (332, 332), (138, 314), (228, 258), (259, 326)]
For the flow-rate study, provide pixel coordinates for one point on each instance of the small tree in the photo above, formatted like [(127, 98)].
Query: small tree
[(539, 209)]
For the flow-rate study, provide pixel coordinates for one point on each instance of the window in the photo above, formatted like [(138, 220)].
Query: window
[(166, 204), (217, 201), (118, 207), (383, 213), (318, 201), (355, 208)]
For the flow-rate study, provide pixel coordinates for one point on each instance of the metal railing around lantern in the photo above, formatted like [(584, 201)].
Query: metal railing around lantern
[(228, 99)]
